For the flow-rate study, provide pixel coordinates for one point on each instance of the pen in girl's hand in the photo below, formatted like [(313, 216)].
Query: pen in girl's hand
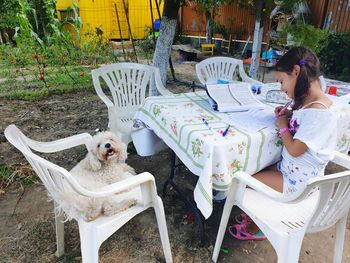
[(285, 107)]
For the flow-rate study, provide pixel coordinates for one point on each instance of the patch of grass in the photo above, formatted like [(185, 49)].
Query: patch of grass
[(13, 107), (57, 81), (16, 174)]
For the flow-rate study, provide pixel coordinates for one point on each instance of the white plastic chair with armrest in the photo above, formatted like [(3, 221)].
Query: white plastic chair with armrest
[(56, 179), (215, 68), (284, 221), (127, 83)]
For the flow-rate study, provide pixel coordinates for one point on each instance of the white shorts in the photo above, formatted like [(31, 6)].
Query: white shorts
[(295, 177)]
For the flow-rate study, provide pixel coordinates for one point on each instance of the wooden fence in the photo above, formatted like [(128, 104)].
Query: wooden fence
[(331, 14)]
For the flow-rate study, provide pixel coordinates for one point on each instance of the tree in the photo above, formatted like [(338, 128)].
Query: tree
[(168, 27), (258, 31), (209, 7), (165, 40)]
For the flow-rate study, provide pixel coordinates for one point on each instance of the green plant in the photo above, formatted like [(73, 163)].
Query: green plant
[(304, 35), (25, 32), (95, 48), (220, 29), (8, 11), (41, 67), (20, 56), (334, 55)]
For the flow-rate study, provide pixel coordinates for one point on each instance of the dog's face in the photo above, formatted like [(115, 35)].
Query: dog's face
[(106, 147)]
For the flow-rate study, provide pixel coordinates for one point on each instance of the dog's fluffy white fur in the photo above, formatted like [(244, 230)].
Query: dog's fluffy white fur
[(103, 165)]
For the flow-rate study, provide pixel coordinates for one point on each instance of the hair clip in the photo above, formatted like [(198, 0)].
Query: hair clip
[(302, 62)]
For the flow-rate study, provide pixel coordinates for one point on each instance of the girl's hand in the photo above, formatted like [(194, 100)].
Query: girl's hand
[(282, 121), (278, 109), (286, 112)]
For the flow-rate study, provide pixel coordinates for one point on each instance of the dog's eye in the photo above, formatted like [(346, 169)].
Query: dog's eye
[(98, 146)]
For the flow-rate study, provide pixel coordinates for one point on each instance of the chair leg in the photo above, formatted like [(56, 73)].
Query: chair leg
[(163, 230), (59, 222), (289, 250), (339, 239), (222, 229), (88, 245)]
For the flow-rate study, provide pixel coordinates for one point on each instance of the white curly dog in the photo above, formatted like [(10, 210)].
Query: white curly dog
[(103, 165)]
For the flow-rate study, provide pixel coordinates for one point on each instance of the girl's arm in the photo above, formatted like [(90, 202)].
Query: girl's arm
[(294, 147)]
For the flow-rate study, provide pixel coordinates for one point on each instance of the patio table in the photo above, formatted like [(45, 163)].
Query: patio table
[(177, 120)]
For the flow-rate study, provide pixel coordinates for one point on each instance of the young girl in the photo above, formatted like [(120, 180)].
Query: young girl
[(308, 133)]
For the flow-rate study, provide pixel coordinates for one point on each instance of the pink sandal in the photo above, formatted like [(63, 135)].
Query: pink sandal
[(240, 232), (243, 218)]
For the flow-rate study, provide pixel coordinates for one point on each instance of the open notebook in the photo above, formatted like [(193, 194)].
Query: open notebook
[(232, 97)]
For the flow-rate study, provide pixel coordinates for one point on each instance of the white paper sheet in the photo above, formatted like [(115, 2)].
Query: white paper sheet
[(252, 120)]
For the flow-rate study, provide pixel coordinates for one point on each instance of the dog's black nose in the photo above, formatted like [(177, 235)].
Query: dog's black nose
[(108, 145)]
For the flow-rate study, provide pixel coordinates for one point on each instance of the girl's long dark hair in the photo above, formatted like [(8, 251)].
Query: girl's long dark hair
[(309, 71)]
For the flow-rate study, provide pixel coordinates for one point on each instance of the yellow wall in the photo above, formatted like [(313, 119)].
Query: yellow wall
[(101, 14), (140, 16)]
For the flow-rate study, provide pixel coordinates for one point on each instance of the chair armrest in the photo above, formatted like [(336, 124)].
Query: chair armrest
[(245, 180), (61, 144), (99, 91), (159, 84), (199, 73), (342, 160), (115, 187), (244, 75)]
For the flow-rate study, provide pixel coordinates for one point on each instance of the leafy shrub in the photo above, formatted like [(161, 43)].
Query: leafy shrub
[(220, 29), (334, 55), (305, 35)]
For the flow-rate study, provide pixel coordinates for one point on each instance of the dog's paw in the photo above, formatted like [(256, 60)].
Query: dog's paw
[(111, 208), (93, 209), (92, 215)]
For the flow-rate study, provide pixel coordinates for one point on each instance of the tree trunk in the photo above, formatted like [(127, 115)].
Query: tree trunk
[(164, 42), (208, 26), (258, 32)]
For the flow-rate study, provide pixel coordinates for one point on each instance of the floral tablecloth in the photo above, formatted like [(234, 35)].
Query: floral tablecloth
[(177, 120)]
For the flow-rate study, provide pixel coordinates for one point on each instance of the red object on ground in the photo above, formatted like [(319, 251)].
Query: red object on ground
[(249, 61), (332, 90)]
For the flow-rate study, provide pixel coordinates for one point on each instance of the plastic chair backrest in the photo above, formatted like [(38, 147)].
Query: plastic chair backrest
[(216, 68), (55, 178), (334, 200), (127, 83)]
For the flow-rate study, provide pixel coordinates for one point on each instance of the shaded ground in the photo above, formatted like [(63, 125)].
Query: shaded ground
[(27, 224)]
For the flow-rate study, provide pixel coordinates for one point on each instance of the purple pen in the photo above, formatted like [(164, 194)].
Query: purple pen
[(285, 107)]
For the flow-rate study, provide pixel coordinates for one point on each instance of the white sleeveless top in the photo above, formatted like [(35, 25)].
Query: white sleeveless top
[(317, 129)]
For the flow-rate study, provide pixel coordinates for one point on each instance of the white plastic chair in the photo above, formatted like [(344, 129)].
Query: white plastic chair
[(56, 179), (285, 221), (212, 69), (127, 83)]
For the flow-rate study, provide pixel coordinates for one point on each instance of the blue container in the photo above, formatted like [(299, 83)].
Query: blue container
[(156, 25), (256, 88)]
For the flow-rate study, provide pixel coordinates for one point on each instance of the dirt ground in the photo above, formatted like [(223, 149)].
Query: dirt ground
[(27, 223)]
